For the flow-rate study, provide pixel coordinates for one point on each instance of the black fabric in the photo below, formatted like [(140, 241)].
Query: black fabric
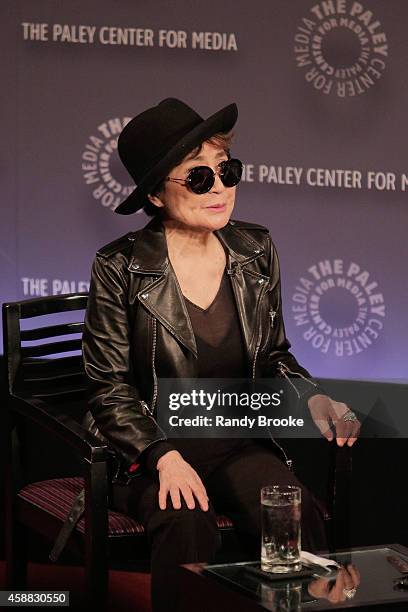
[(232, 470), (218, 335), (150, 456), (221, 354), (191, 536), (117, 340)]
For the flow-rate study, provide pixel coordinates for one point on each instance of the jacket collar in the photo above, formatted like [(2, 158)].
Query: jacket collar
[(150, 255), (163, 297)]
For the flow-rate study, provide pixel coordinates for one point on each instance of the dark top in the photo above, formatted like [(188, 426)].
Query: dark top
[(218, 335), (221, 354)]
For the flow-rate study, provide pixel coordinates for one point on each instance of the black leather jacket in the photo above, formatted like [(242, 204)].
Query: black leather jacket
[(137, 329)]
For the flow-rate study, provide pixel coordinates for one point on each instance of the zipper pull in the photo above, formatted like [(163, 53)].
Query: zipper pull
[(283, 367), (272, 314), (146, 409)]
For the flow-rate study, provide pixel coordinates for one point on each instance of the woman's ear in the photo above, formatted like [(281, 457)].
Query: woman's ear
[(155, 199)]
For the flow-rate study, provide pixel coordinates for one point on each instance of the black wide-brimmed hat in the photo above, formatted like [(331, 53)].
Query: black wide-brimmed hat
[(155, 141)]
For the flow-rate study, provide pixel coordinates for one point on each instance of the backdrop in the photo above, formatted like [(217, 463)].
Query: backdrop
[(322, 95)]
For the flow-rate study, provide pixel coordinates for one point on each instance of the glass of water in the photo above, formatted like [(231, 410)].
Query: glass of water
[(283, 597), (281, 512)]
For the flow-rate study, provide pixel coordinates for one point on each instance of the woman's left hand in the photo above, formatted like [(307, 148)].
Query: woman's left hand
[(326, 412)]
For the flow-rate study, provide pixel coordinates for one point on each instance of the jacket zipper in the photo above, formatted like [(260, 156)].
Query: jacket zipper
[(144, 404), (154, 399), (153, 365), (283, 368), (289, 462), (258, 344)]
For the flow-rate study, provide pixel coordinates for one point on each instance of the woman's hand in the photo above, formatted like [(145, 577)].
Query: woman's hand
[(325, 411), (345, 587), (176, 475)]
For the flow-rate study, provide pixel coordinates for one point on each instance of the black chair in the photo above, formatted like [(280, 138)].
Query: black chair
[(47, 387)]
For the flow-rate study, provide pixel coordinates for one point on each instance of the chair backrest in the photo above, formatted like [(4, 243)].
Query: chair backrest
[(42, 347)]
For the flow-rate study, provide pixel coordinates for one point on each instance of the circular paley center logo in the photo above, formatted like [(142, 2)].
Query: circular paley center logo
[(339, 308), (341, 48), (101, 166)]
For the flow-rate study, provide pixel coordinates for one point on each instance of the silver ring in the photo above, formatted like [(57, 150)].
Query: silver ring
[(349, 416), (349, 593)]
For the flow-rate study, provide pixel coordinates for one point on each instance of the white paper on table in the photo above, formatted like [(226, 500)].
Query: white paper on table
[(308, 557)]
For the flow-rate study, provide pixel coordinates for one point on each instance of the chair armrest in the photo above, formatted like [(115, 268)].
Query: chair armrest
[(62, 425)]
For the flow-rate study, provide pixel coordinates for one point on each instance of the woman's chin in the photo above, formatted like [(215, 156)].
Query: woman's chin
[(216, 219)]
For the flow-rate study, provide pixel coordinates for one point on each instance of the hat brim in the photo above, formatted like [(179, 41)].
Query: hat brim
[(221, 121)]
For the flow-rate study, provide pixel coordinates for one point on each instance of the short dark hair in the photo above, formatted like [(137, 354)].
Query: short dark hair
[(221, 139)]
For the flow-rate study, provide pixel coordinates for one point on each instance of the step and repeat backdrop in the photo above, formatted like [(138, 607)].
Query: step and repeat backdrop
[(322, 95)]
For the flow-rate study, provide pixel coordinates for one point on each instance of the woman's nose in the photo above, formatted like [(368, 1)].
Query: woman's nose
[(218, 184)]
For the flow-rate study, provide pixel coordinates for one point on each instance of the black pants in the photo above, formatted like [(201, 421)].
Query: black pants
[(188, 536)]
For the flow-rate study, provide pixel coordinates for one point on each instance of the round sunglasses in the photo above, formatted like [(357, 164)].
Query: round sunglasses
[(201, 179)]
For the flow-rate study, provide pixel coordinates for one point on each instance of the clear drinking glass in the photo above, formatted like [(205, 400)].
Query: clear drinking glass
[(281, 535), (285, 597)]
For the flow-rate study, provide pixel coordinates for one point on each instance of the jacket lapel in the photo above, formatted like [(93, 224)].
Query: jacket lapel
[(248, 287), (163, 297)]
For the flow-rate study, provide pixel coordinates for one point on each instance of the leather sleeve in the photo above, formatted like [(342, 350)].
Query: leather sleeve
[(150, 457), (280, 360), (114, 399)]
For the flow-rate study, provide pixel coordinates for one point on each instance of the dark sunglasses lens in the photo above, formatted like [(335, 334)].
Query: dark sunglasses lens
[(200, 179), (231, 172)]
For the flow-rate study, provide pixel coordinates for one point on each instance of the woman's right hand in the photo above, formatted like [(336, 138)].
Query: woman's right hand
[(347, 580), (177, 476)]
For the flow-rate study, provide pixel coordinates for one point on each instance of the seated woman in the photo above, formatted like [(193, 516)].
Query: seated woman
[(193, 294)]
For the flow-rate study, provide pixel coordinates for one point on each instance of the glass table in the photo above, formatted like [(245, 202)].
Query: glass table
[(248, 591)]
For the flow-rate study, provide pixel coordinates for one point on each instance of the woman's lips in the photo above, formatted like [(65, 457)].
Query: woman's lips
[(216, 207)]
